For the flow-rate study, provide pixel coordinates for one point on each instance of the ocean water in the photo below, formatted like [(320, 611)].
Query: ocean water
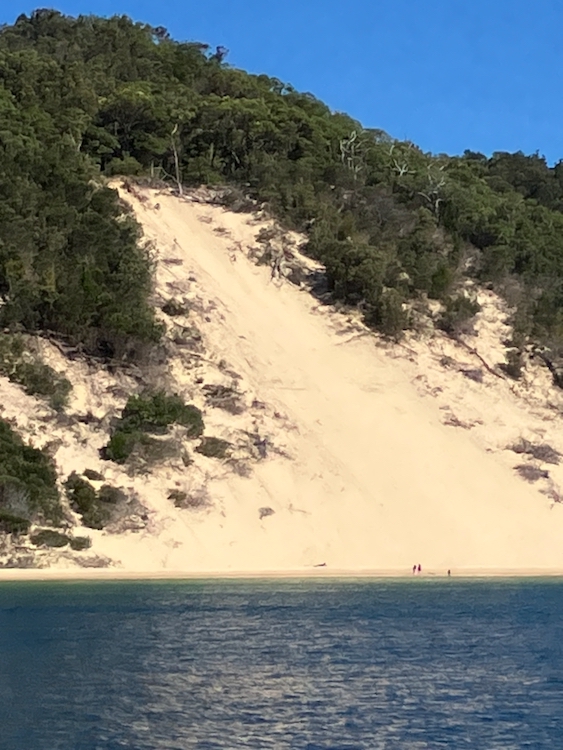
[(282, 664)]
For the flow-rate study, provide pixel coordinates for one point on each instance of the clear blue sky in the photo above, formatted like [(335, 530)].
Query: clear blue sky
[(447, 74)]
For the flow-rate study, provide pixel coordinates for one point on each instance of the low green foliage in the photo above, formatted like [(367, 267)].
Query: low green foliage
[(151, 414), (84, 500), (178, 497), (155, 412), (213, 447), (121, 445), (37, 378), (389, 314), (28, 483), (80, 543), (10, 524), (111, 495), (96, 507), (49, 538), (458, 315), (514, 364), (172, 307)]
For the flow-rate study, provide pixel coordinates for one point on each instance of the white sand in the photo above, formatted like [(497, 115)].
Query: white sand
[(373, 480)]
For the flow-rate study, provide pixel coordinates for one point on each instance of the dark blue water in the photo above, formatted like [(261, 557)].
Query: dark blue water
[(234, 664)]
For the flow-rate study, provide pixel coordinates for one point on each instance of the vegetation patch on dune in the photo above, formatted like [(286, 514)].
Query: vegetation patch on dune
[(540, 451), (49, 538), (151, 414), (97, 508), (26, 369), (28, 485), (213, 447), (84, 499)]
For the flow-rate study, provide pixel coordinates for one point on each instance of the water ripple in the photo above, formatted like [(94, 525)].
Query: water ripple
[(339, 666)]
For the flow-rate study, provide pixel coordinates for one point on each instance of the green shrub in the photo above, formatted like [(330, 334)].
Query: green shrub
[(178, 497), (154, 414), (95, 507), (11, 524), (28, 481), (121, 445), (93, 475), (84, 500), (79, 543), (173, 308), (39, 379), (514, 364), (151, 414), (389, 316), (213, 447), (36, 378), (126, 166), (49, 538), (458, 315), (111, 495)]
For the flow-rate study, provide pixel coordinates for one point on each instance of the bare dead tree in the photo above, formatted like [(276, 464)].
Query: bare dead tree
[(433, 193), (352, 153), (402, 169), (176, 160)]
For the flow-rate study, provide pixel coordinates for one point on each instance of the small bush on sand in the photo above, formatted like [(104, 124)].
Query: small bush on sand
[(84, 500), (540, 451), (49, 538), (457, 317), (198, 499), (39, 379), (121, 445), (36, 378), (96, 508), (213, 447), (154, 414), (28, 483), (514, 365), (173, 308), (79, 543), (151, 414), (111, 495), (531, 473)]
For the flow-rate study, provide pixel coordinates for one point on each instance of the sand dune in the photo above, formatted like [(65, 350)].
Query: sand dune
[(363, 473), (375, 480)]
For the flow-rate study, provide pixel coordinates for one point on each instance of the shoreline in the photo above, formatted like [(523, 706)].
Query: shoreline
[(61, 575)]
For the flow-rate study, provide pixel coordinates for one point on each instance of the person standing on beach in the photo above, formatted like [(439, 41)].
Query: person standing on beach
[(414, 570), (419, 568)]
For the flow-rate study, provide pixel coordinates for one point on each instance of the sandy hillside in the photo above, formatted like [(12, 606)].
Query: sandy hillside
[(375, 478), (352, 454)]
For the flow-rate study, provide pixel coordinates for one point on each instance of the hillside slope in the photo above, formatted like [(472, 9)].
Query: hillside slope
[(375, 479), (350, 455)]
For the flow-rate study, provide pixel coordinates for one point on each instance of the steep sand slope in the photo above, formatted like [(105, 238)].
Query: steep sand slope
[(374, 479)]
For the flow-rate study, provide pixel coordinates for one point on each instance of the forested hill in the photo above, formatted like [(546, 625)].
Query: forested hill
[(85, 97)]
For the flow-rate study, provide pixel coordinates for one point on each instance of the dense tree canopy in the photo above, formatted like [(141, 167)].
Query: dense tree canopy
[(84, 97)]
